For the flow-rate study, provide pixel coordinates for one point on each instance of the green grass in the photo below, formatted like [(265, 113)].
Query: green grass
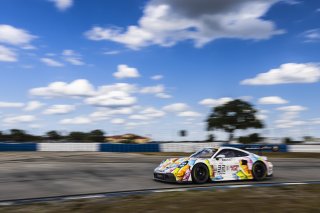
[(265, 199)]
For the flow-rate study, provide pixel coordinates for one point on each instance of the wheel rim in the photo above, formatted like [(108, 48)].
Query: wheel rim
[(259, 170), (201, 173)]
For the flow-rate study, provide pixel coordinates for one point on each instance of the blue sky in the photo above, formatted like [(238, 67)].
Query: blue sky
[(155, 67)]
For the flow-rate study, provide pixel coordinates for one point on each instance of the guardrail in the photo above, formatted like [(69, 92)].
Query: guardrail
[(152, 147)]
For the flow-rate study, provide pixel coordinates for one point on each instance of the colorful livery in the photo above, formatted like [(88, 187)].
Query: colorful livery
[(215, 164)]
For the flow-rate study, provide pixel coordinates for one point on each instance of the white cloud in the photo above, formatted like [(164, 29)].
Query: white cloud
[(148, 113), (11, 104), (104, 113), (287, 73), (167, 22), (288, 123), (59, 109), (80, 120), (7, 54), (190, 114), (290, 116), (19, 119), (176, 107), (76, 88), (124, 71), (62, 4), (118, 121), (115, 95), (293, 108), (209, 102), (33, 105), (312, 35), (51, 62), (272, 100), (112, 99), (157, 90), (72, 57), (163, 95), (112, 52), (15, 36), (153, 89), (157, 77)]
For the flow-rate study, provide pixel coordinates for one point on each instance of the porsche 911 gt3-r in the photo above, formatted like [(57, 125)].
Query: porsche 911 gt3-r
[(215, 164)]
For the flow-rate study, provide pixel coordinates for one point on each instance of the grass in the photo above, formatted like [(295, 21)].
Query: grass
[(268, 154), (265, 199)]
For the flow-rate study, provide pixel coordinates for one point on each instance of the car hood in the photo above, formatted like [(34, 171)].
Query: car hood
[(169, 165)]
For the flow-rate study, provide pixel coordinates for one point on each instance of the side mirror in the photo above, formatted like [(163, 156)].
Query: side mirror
[(220, 156)]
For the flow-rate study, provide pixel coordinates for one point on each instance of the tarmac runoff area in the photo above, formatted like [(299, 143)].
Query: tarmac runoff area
[(49, 174)]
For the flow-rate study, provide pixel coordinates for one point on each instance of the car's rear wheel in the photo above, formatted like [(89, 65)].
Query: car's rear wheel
[(200, 173), (259, 171)]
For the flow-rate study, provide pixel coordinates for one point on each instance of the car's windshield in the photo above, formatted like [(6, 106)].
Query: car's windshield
[(204, 153)]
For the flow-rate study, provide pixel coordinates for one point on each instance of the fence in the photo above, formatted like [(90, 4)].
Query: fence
[(152, 147)]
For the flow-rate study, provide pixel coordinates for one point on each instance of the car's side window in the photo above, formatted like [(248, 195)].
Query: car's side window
[(229, 153), (240, 154)]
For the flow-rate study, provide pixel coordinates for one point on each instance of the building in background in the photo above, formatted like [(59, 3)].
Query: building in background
[(127, 138)]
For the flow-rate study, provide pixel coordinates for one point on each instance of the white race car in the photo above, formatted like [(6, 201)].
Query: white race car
[(215, 164)]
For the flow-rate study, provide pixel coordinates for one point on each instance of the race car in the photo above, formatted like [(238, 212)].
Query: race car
[(215, 164)]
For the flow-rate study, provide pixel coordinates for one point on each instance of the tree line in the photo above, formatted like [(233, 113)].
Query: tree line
[(18, 135)]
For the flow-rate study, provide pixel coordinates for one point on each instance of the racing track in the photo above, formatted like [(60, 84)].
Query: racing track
[(40, 174)]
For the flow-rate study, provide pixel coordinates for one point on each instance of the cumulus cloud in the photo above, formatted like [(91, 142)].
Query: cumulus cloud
[(209, 102), (7, 54), (272, 100), (167, 22), (76, 88), (19, 119), (62, 5), (112, 99), (59, 109), (11, 104), (287, 73), (124, 71), (189, 114), (148, 113), (176, 107), (33, 105), (15, 36), (51, 62), (115, 95), (80, 120)]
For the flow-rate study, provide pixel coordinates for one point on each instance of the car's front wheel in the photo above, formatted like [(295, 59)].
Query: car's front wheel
[(200, 173), (259, 171)]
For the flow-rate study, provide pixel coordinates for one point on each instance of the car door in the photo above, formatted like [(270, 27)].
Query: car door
[(224, 168)]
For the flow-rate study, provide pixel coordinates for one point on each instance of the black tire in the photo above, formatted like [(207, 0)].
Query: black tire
[(259, 171), (200, 173)]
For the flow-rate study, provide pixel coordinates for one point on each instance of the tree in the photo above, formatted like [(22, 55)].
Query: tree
[(234, 115), (53, 135), (252, 138), (96, 135), (78, 136), (17, 135), (210, 138)]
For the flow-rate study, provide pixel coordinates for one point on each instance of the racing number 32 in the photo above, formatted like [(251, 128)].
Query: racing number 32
[(221, 169)]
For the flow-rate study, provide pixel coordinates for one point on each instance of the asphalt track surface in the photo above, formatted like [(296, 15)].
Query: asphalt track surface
[(40, 174)]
